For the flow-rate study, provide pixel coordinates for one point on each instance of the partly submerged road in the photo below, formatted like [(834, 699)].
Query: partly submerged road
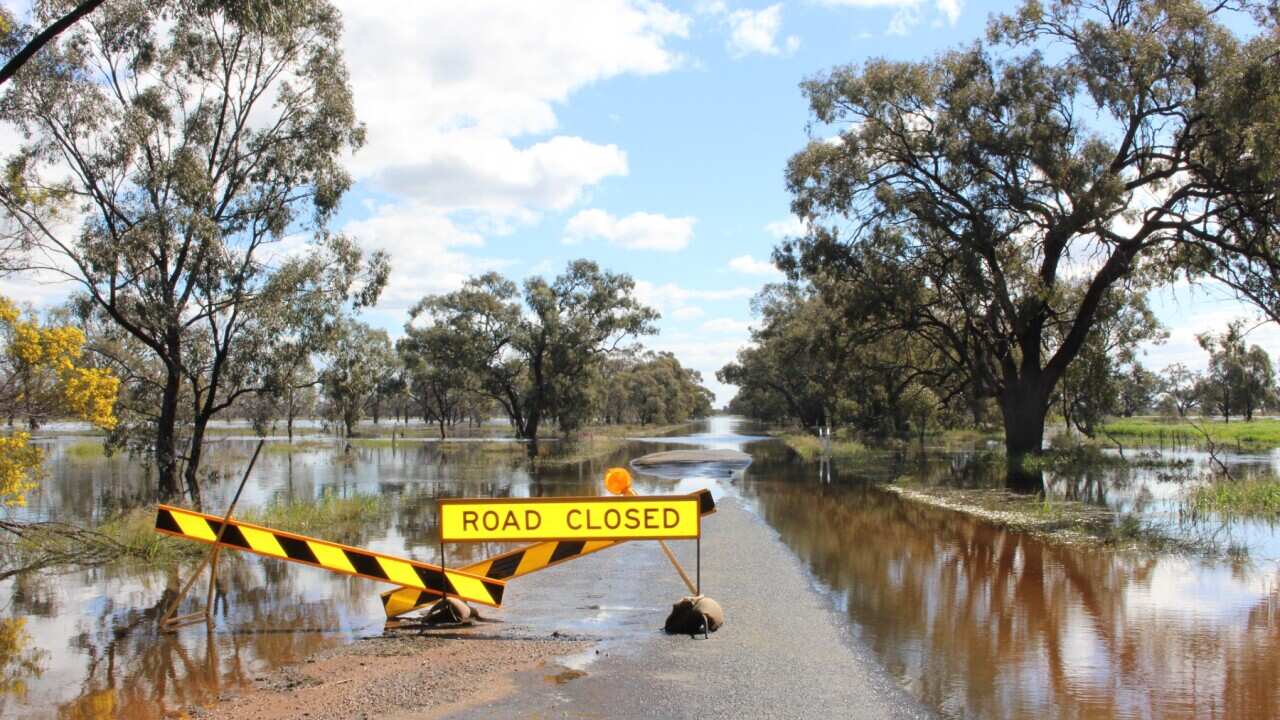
[(783, 652)]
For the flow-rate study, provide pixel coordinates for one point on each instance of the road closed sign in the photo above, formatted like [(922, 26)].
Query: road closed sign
[(590, 518)]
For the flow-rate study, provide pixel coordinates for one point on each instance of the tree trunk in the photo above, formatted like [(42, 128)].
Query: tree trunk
[(166, 437), (193, 458), (530, 430), (1023, 408)]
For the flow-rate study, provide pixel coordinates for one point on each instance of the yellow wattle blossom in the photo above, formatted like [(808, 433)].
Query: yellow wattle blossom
[(90, 394), (20, 468), (18, 659), (44, 367)]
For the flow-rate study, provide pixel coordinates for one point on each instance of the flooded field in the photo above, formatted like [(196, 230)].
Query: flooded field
[(973, 620)]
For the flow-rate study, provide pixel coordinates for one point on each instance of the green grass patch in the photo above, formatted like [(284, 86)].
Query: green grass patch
[(809, 447), (1259, 433), (287, 448), (374, 442), (86, 450), (966, 435), (1238, 497), (135, 532), (338, 519), (579, 449)]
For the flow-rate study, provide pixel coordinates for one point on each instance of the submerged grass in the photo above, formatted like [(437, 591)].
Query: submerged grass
[(1259, 433), (599, 442), (1067, 522), (810, 448), (1238, 497), (286, 448), (340, 519), (131, 535), (86, 450)]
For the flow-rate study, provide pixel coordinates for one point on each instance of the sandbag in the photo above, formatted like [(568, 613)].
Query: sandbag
[(694, 614), (449, 610)]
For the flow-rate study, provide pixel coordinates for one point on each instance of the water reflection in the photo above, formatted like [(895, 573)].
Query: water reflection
[(980, 622), (976, 621)]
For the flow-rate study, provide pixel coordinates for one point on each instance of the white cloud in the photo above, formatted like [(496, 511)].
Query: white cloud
[(447, 89), (906, 18), (726, 325), (752, 31), (756, 31), (471, 170), (1188, 311), (791, 227), (950, 9), (637, 231), (751, 266), (703, 354), (867, 3), (687, 313), (423, 244), (669, 296), (908, 11)]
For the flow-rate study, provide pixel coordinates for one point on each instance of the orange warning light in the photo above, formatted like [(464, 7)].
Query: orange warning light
[(617, 480)]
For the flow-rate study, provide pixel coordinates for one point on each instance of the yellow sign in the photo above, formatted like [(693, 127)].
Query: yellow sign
[(590, 518)]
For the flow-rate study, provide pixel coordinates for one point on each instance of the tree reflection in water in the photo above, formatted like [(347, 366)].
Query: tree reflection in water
[(982, 622), (262, 621)]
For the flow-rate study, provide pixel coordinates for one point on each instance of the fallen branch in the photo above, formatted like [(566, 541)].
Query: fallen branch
[(37, 545), (1213, 449)]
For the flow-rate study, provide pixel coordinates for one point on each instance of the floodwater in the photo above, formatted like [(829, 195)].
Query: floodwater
[(974, 621)]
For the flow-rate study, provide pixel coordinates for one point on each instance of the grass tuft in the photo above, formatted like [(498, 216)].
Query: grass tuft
[(86, 450), (132, 535), (1238, 497), (809, 447), (1259, 433)]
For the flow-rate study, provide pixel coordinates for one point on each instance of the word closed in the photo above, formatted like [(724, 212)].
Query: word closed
[(595, 518)]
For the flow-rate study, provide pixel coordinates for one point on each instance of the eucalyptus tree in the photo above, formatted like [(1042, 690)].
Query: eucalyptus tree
[(654, 388), (1240, 115), (1106, 378), (438, 373), (1240, 379), (355, 366), (814, 353), (533, 352), (201, 142), (1075, 147), (1178, 386), (20, 42)]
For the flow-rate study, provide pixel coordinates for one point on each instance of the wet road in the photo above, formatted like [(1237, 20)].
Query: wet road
[(783, 652)]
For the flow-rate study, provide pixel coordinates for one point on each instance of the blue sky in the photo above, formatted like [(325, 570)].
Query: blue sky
[(649, 137)]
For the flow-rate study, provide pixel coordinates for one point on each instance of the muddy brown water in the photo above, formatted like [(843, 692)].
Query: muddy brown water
[(973, 620)]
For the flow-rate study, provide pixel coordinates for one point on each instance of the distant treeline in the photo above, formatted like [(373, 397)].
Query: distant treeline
[(813, 364), (553, 352)]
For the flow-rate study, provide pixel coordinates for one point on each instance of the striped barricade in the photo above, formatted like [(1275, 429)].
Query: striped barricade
[(518, 562), (424, 579)]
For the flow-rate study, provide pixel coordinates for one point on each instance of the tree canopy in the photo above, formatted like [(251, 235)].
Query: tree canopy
[(533, 357), (994, 199), (203, 143)]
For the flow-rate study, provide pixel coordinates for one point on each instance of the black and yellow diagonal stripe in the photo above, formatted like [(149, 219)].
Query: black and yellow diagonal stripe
[(520, 561), (424, 578)]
